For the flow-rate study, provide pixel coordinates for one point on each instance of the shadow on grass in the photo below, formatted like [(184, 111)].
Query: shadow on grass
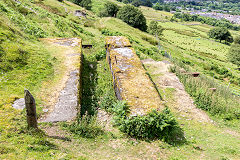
[(38, 141), (176, 137), (86, 124), (89, 78), (61, 138)]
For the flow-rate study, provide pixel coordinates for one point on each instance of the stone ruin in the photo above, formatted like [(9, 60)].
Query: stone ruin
[(131, 83)]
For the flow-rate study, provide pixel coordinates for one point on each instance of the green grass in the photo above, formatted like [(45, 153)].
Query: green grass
[(190, 45), (21, 28), (204, 140)]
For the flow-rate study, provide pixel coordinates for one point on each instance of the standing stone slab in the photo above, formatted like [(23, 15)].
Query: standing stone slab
[(131, 83), (31, 109)]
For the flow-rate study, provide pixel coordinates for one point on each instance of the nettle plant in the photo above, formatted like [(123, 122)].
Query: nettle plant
[(154, 125)]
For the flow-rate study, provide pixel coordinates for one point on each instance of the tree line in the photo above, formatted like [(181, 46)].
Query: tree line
[(206, 20)]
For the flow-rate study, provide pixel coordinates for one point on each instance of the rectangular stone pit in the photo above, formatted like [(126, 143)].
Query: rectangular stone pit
[(131, 83)]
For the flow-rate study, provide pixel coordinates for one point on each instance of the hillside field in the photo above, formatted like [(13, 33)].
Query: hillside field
[(28, 62)]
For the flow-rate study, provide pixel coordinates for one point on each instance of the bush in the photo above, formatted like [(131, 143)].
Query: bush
[(107, 32), (136, 3), (132, 16), (155, 29), (220, 34), (110, 10), (155, 124), (84, 3)]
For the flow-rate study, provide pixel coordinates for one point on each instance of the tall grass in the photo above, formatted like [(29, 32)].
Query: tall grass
[(220, 103)]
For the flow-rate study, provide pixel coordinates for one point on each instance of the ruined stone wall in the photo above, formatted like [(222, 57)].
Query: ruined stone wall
[(131, 83)]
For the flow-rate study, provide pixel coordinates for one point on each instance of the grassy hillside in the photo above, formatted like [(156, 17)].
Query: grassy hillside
[(27, 62), (189, 43)]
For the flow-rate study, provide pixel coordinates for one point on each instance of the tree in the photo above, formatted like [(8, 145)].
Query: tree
[(148, 3), (84, 3), (132, 16), (155, 29), (166, 8), (110, 10), (234, 54), (220, 34), (125, 1), (136, 3), (157, 6)]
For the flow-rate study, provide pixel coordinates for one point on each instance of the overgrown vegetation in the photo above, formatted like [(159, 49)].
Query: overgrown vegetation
[(155, 29), (221, 34), (218, 103), (83, 3), (132, 16), (110, 10), (87, 126), (156, 124)]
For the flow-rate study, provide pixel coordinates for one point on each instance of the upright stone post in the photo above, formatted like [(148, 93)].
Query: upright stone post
[(31, 109)]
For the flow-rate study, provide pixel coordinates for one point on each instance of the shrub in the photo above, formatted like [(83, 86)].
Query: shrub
[(84, 3), (107, 32), (132, 16), (155, 29), (110, 10), (101, 55), (149, 39), (220, 33), (136, 3), (155, 124)]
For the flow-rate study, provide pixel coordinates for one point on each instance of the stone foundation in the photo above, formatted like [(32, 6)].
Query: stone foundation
[(131, 83)]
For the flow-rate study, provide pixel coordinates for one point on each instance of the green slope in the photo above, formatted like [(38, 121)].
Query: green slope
[(26, 62)]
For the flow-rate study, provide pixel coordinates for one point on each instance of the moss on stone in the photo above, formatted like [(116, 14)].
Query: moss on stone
[(131, 82)]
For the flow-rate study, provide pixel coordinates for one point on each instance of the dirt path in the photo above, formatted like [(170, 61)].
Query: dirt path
[(164, 79), (62, 98)]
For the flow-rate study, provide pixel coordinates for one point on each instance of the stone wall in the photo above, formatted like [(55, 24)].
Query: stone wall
[(131, 83)]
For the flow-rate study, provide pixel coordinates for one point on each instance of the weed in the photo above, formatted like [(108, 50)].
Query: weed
[(160, 125), (87, 126)]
